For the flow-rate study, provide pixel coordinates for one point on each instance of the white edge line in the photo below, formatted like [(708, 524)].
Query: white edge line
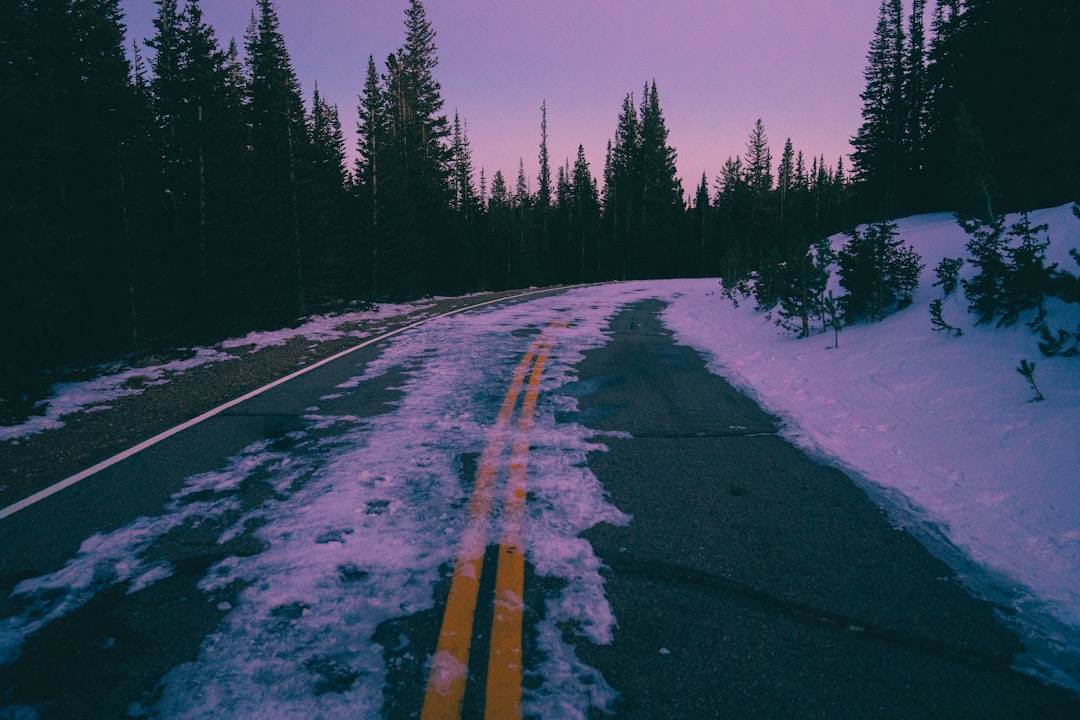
[(90, 471)]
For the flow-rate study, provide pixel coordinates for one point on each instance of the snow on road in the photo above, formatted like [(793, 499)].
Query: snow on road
[(363, 524), (937, 429)]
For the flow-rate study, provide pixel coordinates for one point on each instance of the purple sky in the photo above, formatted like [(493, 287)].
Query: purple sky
[(719, 65)]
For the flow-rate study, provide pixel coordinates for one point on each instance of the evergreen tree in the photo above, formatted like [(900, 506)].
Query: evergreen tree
[(332, 266), (661, 192), (278, 141), (585, 219), (543, 190), (916, 100), (785, 177), (879, 143), (992, 52), (703, 225), (762, 221), (625, 190), (209, 143), (879, 271), (521, 254), (501, 217), (758, 164), (420, 134), (371, 177), (802, 287)]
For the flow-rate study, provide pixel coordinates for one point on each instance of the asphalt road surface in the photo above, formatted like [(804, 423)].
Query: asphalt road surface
[(756, 582), (752, 581)]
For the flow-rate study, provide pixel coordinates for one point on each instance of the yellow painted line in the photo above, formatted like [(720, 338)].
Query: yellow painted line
[(503, 701), (449, 665)]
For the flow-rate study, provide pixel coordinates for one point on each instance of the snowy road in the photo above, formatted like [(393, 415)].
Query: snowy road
[(525, 505)]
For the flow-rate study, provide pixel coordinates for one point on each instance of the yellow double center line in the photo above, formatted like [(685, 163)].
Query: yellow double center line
[(449, 665)]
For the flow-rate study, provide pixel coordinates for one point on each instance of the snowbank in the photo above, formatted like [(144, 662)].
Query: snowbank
[(938, 429)]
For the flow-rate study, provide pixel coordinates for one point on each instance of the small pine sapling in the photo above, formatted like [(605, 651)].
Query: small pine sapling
[(939, 322), (947, 274), (832, 314), (1028, 371), (1028, 278), (984, 290)]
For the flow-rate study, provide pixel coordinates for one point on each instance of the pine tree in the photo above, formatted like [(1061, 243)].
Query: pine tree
[(761, 231), (543, 190), (879, 271), (661, 192), (786, 177), (625, 189), (332, 266), (370, 175), (702, 223), (758, 164), (420, 134), (879, 143), (586, 218), (916, 101), (501, 217), (278, 141), (521, 254), (211, 137)]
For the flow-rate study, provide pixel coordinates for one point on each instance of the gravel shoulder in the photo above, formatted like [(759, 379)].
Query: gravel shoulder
[(34, 462)]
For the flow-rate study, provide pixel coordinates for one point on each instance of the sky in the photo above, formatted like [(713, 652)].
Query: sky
[(719, 66)]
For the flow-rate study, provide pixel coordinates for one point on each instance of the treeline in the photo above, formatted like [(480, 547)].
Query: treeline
[(184, 192), (970, 107), (181, 190), (968, 110)]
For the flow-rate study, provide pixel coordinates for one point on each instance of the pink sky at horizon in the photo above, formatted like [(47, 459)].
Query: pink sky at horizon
[(719, 66)]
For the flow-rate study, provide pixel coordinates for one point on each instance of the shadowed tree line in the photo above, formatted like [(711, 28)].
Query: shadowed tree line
[(181, 190)]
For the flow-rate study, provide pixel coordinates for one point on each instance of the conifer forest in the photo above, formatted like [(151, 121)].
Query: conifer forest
[(185, 189)]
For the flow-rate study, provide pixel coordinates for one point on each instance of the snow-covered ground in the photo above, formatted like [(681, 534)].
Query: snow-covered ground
[(937, 429)]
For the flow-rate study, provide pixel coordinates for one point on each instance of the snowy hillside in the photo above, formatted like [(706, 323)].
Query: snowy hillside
[(937, 428)]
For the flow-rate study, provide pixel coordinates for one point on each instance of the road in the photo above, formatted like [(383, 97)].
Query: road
[(545, 507)]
